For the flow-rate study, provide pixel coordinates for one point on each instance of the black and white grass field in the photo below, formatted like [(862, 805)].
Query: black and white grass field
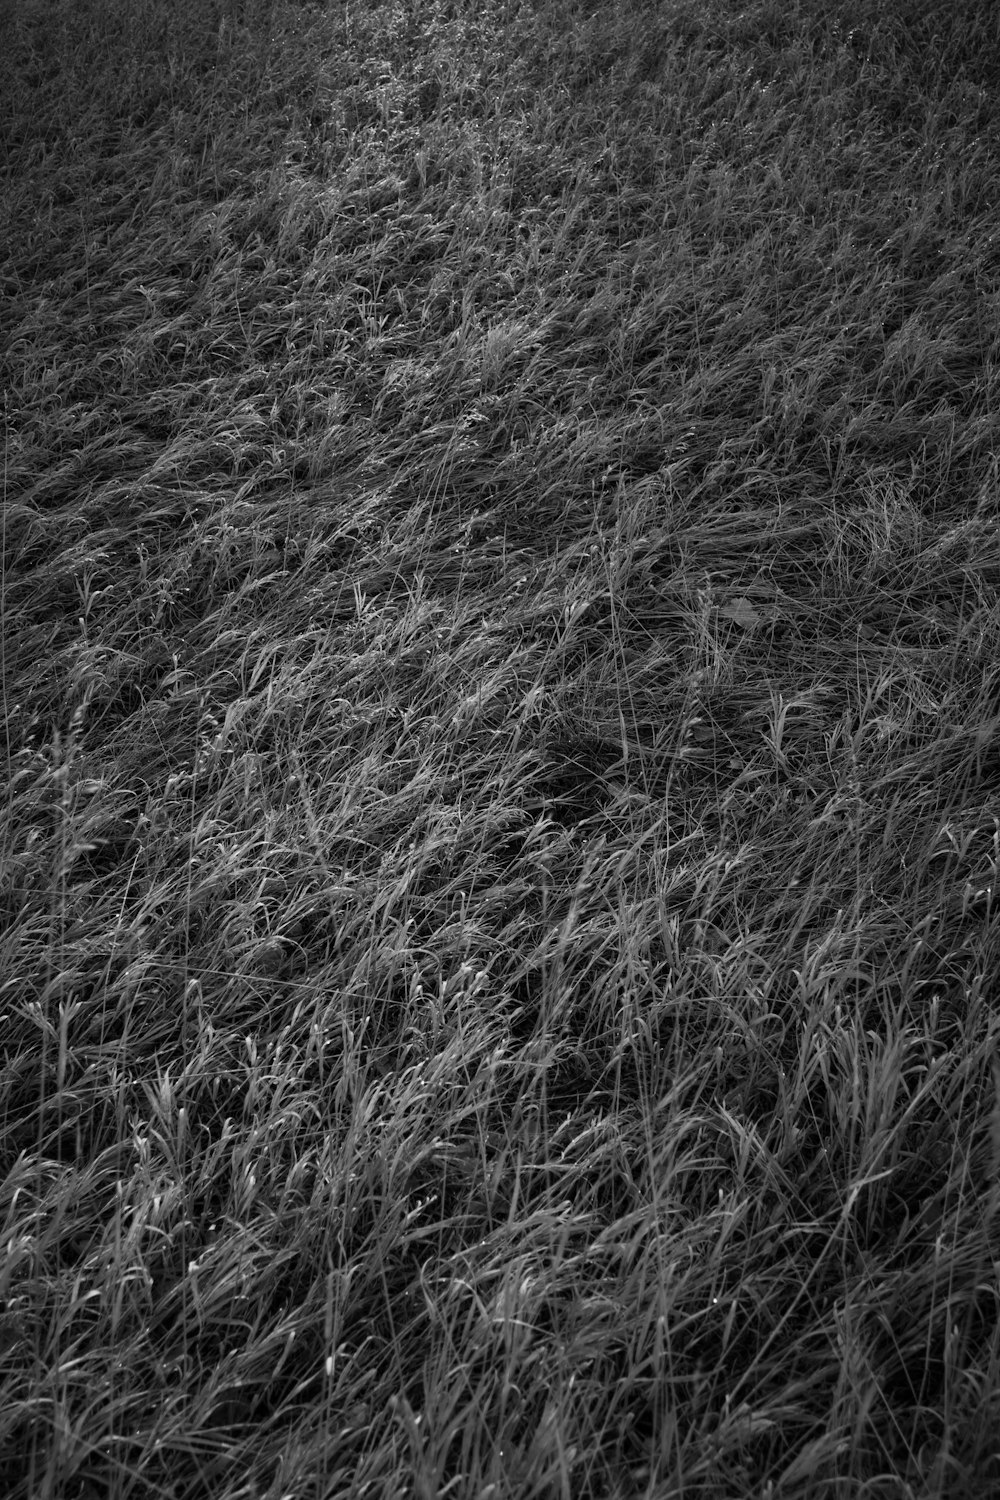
[(501, 786)]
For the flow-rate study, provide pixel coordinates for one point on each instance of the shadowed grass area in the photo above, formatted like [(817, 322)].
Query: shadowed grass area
[(500, 637)]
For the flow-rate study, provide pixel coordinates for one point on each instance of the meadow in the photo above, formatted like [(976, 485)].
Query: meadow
[(500, 657)]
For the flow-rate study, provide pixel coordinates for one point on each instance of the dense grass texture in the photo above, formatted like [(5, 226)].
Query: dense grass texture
[(499, 961)]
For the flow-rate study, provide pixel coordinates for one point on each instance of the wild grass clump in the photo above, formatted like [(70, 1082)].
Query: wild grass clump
[(499, 658)]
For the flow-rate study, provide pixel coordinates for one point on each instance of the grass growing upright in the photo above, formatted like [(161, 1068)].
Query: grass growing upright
[(500, 629)]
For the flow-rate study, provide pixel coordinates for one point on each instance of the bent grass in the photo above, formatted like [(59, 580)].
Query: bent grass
[(500, 564)]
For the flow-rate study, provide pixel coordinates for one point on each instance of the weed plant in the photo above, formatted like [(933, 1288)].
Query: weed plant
[(498, 954)]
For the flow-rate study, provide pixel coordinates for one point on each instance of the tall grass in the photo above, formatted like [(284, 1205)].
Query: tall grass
[(498, 963)]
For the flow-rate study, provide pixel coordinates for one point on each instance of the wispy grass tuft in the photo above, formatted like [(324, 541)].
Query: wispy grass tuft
[(498, 945)]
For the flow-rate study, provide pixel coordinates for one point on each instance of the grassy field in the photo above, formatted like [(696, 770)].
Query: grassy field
[(499, 966)]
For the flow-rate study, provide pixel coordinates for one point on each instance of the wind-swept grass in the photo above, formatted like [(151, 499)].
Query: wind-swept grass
[(498, 963)]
